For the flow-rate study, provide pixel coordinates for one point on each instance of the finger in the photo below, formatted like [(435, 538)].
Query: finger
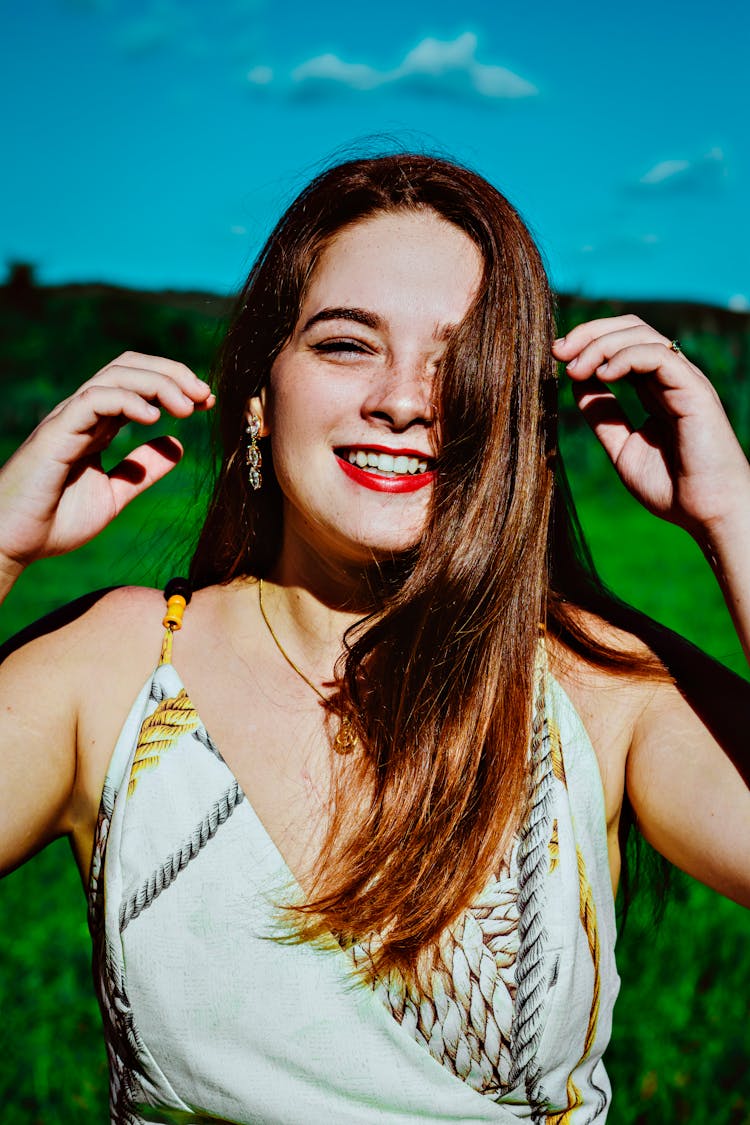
[(84, 409), (143, 467), (669, 369), (151, 385), (579, 337), (604, 415), (197, 389), (603, 347)]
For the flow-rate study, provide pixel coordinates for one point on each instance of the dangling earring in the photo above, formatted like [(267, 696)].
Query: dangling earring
[(253, 458)]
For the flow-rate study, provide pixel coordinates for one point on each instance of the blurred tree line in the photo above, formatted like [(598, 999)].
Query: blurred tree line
[(53, 338)]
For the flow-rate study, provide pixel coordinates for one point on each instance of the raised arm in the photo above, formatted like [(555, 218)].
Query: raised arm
[(684, 463), (688, 766), (55, 496)]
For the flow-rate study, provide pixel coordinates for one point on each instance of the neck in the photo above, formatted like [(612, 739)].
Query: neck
[(310, 629), (342, 584), (311, 597), (311, 605)]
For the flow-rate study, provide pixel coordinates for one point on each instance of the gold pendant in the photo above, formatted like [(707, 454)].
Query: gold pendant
[(345, 739)]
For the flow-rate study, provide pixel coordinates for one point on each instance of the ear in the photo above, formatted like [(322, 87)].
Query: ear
[(257, 406)]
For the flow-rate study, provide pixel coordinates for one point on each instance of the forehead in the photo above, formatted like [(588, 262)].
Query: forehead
[(411, 262)]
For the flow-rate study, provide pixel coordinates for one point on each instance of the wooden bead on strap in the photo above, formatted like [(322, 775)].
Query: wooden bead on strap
[(177, 595)]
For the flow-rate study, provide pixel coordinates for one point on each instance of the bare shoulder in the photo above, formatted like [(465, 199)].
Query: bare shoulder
[(607, 697), (62, 680), (671, 736), (80, 643), (609, 701), (78, 624), (86, 652), (669, 675), (119, 638), (67, 685)]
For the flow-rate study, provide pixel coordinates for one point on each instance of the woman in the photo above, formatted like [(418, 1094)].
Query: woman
[(382, 888)]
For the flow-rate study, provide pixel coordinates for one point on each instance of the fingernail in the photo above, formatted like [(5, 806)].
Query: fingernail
[(601, 367), (572, 364), (559, 340)]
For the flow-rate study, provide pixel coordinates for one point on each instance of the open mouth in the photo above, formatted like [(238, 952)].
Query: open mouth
[(382, 470), (374, 460)]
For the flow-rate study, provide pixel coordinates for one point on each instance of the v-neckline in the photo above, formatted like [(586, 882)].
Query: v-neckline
[(291, 879)]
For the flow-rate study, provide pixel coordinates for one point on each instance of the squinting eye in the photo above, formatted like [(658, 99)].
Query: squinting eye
[(340, 346)]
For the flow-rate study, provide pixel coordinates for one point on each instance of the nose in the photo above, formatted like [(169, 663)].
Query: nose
[(401, 396)]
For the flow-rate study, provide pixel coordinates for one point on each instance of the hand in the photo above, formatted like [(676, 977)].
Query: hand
[(54, 494), (684, 463)]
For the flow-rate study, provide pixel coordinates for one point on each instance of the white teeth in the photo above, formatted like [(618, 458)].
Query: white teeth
[(386, 462)]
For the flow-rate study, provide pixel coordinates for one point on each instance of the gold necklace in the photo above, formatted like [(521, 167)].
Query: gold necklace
[(345, 739)]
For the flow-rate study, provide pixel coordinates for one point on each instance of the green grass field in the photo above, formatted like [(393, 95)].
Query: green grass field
[(681, 1044)]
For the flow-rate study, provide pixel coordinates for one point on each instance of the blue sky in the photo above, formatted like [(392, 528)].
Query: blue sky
[(154, 142)]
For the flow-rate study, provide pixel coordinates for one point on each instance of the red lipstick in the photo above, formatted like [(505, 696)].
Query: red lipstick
[(406, 482)]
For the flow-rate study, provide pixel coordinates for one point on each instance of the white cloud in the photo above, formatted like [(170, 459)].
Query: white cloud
[(738, 303), (664, 170), (434, 64), (701, 174), (437, 59), (330, 68)]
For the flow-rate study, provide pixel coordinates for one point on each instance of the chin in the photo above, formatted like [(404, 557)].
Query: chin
[(383, 552)]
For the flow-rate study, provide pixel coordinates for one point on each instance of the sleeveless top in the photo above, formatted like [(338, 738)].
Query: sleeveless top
[(209, 1017)]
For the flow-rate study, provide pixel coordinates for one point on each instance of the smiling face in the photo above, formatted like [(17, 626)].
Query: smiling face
[(349, 402)]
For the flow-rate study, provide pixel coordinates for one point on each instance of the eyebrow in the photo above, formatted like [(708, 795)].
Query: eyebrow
[(359, 316), (363, 316)]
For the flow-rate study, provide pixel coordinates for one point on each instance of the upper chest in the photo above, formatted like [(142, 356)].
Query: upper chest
[(270, 728)]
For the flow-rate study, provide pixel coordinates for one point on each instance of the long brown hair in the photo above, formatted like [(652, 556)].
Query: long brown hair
[(440, 681)]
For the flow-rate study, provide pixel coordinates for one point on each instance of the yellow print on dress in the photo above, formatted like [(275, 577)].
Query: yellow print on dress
[(159, 733)]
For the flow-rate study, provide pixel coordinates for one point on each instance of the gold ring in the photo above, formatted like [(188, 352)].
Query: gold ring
[(675, 346)]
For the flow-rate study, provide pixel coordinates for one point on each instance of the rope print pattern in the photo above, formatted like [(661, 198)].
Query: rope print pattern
[(588, 921), (120, 1035), (462, 1013), (534, 862)]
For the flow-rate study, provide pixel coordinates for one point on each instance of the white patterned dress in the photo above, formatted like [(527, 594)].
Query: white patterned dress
[(207, 1017)]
